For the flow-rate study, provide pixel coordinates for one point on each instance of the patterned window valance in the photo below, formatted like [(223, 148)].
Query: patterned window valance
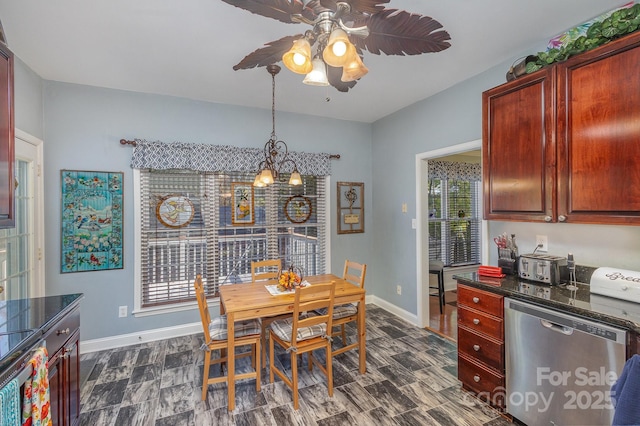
[(218, 158), (455, 170)]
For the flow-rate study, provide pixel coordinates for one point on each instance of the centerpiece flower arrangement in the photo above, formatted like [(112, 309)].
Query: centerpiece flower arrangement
[(289, 279)]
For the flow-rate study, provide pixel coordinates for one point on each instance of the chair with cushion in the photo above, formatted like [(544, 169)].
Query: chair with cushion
[(436, 267), (267, 271), (304, 334), (343, 314), (215, 338)]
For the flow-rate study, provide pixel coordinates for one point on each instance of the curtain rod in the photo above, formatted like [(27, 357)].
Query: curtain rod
[(133, 143)]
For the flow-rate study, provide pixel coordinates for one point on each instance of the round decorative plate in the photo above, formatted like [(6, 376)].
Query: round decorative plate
[(298, 209), (175, 211)]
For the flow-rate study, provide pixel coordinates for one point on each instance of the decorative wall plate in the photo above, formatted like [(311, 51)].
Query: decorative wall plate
[(175, 211), (298, 209)]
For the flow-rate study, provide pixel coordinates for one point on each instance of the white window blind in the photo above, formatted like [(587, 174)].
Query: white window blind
[(454, 221), (212, 245)]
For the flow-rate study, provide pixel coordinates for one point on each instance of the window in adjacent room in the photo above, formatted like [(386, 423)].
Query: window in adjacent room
[(203, 236), (454, 213)]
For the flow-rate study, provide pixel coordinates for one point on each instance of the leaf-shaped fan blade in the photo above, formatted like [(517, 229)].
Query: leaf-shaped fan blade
[(357, 6), (280, 10), (267, 55), (334, 75), (397, 32)]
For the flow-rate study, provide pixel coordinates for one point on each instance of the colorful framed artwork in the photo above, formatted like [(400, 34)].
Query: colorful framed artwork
[(175, 211), (298, 209), (91, 221), (350, 207), (242, 212)]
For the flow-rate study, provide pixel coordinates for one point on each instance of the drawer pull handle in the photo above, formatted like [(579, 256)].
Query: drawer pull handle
[(476, 321), (476, 348), (476, 378), (65, 331), (476, 300)]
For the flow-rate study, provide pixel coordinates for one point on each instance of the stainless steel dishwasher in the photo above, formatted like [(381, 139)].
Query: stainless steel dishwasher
[(559, 367)]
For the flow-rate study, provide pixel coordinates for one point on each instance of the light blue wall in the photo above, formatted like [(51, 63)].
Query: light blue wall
[(83, 128), (28, 100)]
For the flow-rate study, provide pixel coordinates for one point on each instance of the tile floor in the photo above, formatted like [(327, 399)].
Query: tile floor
[(410, 380)]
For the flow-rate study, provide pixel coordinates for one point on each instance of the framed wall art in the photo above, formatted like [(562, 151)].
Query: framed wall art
[(91, 221), (175, 211), (242, 212), (350, 207), (298, 209)]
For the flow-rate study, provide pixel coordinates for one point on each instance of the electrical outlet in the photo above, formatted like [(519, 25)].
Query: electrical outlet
[(541, 243), (399, 289), (122, 311)]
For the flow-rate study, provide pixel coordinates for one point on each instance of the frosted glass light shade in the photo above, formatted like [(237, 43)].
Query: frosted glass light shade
[(266, 177), (295, 178), (354, 69), (318, 75), (257, 182), (298, 58), (339, 49)]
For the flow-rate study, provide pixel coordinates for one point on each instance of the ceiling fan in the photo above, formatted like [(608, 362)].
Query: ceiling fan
[(341, 31)]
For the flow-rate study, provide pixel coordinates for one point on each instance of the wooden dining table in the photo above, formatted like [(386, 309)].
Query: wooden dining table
[(253, 300)]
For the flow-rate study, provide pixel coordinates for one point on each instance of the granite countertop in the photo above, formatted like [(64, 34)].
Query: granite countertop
[(24, 322), (581, 302)]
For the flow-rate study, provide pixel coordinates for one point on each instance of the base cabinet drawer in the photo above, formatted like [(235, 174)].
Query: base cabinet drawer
[(482, 348), (484, 382), (481, 300), (481, 322)]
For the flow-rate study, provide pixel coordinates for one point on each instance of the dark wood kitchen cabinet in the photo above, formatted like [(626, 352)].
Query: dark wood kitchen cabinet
[(64, 370), (563, 144), (481, 344), (7, 131)]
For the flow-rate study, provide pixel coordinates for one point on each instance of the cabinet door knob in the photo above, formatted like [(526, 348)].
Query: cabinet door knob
[(65, 331), (476, 378), (476, 300), (547, 218), (476, 348), (562, 218), (476, 321)]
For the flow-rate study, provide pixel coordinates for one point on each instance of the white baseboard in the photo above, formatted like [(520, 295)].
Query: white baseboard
[(407, 316), (122, 340)]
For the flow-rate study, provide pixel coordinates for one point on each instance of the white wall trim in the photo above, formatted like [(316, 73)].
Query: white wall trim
[(122, 340), (399, 312), (38, 215), (422, 256)]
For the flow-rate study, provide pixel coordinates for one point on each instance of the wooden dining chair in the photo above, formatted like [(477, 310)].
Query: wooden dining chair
[(266, 271), (354, 273), (247, 332), (299, 334)]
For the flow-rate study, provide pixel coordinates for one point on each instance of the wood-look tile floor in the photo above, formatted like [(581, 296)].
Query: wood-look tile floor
[(411, 379)]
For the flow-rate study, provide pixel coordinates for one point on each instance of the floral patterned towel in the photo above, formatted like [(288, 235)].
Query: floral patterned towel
[(36, 404)]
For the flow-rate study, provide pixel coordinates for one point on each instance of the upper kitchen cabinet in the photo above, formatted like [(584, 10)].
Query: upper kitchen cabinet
[(518, 149), (599, 135), (7, 219), (563, 144)]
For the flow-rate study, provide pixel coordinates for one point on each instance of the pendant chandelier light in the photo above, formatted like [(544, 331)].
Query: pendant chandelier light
[(276, 153), (333, 48)]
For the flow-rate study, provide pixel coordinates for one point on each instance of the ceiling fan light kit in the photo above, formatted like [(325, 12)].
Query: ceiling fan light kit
[(341, 31)]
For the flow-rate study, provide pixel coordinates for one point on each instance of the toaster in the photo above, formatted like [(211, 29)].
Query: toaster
[(541, 267)]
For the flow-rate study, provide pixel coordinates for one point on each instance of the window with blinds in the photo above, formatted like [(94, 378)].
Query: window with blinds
[(454, 221), (188, 228)]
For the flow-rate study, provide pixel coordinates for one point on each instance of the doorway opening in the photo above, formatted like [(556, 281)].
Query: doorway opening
[(428, 307)]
